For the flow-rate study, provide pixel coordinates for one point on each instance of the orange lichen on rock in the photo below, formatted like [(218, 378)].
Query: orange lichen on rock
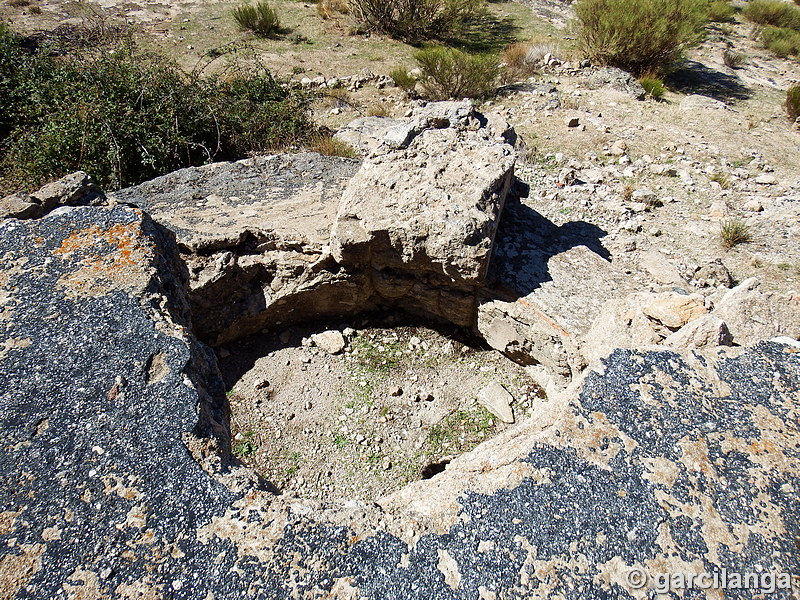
[(126, 239), (114, 257)]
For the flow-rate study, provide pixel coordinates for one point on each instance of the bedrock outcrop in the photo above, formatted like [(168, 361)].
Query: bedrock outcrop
[(114, 482)]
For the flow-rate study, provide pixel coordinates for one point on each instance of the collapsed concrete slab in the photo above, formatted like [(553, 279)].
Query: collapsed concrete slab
[(547, 286), (254, 236), (281, 239), (425, 206), (112, 475)]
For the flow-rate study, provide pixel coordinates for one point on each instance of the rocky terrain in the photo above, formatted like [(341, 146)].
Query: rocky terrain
[(502, 354)]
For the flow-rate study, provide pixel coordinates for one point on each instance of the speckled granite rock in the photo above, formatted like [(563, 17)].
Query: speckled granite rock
[(102, 389), (658, 460)]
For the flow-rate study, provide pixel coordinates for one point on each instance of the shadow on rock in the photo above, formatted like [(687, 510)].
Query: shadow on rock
[(692, 77), (525, 243), (486, 33)]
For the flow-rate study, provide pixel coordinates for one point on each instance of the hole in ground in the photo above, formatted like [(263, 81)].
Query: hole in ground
[(396, 405), (435, 468)]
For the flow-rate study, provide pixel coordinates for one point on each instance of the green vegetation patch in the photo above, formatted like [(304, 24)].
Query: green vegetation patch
[(452, 73), (126, 115), (639, 36)]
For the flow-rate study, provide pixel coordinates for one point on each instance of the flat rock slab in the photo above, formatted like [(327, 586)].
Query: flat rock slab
[(252, 233), (656, 460), (548, 284), (100, 382), (291, 198)]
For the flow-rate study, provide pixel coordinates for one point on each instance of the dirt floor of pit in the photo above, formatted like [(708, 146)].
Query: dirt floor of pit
[(391, 406)]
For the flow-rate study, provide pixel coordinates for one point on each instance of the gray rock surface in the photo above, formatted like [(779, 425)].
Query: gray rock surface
[(696, 102), (706, 330), (497, 401), (331, 341), (753, 315), (366, 133), (616, 79), (76, 189)]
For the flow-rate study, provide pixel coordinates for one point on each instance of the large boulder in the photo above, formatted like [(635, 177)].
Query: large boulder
[(753, 314), (547, 287), (280, 239), (366, 133), (75, 189)]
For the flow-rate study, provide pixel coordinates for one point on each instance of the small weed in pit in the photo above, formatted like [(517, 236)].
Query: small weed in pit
[(734, 232), (545, 160), (377, 358), (245, 447), (784, 266), (461, 431), (722, 179), (294, 458), (340, 440)]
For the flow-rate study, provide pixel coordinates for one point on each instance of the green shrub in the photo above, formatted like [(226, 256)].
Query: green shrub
[(327, 145), (450, 73), (781, 41), (261, 19), (653, 86), (415, 21), (403, 80), (638, 35), (127, 116), (773, 12), (12, 61), (719, 11), (792, 103), (734, 232)]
